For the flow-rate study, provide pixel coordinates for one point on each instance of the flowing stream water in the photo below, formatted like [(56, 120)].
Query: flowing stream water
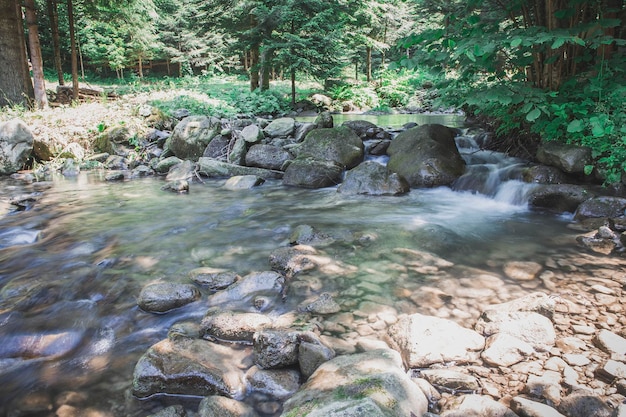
[(72, 266)]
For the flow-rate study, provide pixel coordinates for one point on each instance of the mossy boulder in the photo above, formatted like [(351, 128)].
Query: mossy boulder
[(339, 145), (426, 156)]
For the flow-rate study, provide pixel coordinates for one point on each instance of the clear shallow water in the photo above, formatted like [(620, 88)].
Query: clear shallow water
[(68, 314)]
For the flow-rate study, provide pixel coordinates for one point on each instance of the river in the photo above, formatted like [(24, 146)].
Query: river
[(72, 266)]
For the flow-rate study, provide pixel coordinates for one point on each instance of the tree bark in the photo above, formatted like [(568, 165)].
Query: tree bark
[(293, 87), (70, 16), (254, 68), (369, 63), (15, 84), (265, 69), (53, 15), (36, 60)]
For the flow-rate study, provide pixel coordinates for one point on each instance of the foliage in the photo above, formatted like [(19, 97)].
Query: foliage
[(556, 74)]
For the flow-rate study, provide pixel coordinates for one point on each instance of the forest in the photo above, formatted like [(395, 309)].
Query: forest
[(531, 69)]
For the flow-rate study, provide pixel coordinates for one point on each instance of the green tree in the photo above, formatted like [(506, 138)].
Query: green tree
[(549, 67)]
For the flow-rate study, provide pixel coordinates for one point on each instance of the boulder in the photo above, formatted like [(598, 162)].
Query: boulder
[(579, 404), (165, 164), (190, 367), (543, 174), (568, 158), (303, 129), (165, 296), (426, 156), (184, 171), (192, 135), (424, 340), (218, 148), (338, 145), (311, 173), (558, 198), (372, 384), (279, 384), (360, 127), (252, 134), (16, 145), (267, 156), (282, 127), (232, 326), (604, 206), (275, 348), (527, 408), (312, 353), (324, 120), (372, 178)]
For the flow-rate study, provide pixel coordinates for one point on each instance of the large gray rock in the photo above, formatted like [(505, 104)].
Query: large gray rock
[(568, 158), (372, 178), (339, 145), (312, 173), (162, 297), (282, 127), (16, 144), (276, 383), (232, 326), (275, 348), (584, 405), (426, 156), (604, 206), (252, 134), (213, 168), (190, 367), (360, 127), (558, 198), (528, 408), (372, 384), (267, 156), (192, 135), (425, 340), (543, 174)]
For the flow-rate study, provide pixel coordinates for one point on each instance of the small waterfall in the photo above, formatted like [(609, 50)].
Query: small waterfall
[(491, 173)]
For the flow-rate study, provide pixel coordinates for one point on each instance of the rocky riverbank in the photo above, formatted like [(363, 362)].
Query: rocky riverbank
[(531, 337), (526, 338)]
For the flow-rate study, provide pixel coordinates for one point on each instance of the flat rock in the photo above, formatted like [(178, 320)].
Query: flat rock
[(425, 340), (532, 328), (502, 349), (165, 296), (522, 271), (451, 379), (216, 405), (610, 342)]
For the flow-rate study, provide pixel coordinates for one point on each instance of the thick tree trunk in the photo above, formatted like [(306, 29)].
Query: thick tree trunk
[(53, 15), (265, 69), (15, 84), (36, 60), (70, 15), (254, 68)]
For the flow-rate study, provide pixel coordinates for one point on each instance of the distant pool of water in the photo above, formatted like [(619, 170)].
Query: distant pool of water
[(396, 120)]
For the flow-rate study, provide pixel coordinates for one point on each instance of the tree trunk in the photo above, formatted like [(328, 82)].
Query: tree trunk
[(265, 69), (15, 84), (70, 16), (53, 15), (293, 87), (254, 68), (369, 63), (39, 82), (140, 64)]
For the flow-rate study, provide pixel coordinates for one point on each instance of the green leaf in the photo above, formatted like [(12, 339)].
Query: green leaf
[(533, 115), (588, 169), (575, 126), (578, 41), (516, 42), (558, 42), (470, 55)]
